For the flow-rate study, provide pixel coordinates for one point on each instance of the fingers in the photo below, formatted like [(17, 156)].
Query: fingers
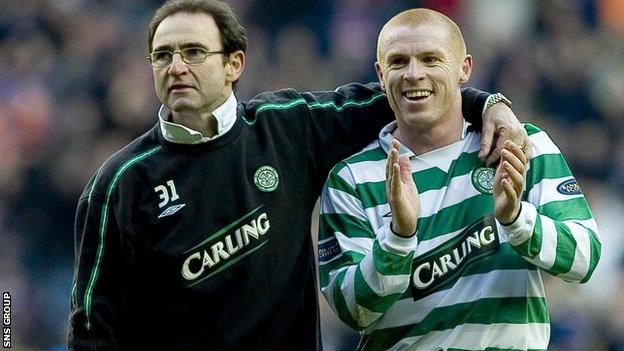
[(406, 169), (518, 149), (513, 167), (395, 182), (513, 160), (510, 192), (492, 157), (487, 136), (393, 157), (514, 176), (520, 137)]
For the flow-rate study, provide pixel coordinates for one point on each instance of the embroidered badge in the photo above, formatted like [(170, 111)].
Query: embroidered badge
[(266, 179), (569, 187), (483, 179)]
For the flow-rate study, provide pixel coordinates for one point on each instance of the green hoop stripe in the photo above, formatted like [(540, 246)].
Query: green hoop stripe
[(103, 223)]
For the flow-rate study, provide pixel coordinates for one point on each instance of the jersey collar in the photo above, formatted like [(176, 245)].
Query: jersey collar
[(440, 158), (179, 134)]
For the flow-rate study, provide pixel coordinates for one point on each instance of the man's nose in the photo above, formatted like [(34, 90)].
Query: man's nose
[(414, 71), (177, 65)]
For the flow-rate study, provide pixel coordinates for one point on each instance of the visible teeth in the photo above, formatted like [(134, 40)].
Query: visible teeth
[(418, 93)]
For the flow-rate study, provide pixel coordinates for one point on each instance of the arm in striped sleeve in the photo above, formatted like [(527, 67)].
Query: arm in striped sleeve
[(556, 230), (363, 271)]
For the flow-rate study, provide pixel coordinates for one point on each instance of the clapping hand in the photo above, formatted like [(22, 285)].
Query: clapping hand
[(401, 192), (509, 181)]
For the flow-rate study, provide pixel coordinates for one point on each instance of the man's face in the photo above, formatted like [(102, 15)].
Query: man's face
[(420, 68), (184, 87)]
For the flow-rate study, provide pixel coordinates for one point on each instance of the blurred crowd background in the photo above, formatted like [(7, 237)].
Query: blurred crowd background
[(75, 86)]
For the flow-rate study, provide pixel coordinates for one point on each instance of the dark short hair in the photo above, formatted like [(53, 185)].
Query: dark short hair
[(232, 34)]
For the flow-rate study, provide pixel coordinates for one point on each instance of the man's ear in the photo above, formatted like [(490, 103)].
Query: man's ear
[(380, 75), (235, 66), (466, 69)]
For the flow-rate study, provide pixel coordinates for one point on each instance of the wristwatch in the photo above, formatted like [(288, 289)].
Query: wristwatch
[(496, 98)]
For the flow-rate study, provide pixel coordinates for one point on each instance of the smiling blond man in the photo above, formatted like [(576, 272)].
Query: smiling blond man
[(424, 247)]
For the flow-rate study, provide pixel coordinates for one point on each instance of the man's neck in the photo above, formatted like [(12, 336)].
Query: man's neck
[(203, 123), (429, 138)]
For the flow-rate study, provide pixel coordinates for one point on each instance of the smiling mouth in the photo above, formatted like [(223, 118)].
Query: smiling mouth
[(417, 95)]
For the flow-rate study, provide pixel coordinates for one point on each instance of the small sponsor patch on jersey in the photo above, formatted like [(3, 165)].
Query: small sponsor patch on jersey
[(483, 179), (328, 250), (266, 179), (171, 210), (443, 266), (569, 187)]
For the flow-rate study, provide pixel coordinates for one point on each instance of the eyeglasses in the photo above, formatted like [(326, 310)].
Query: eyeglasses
[(193, 55)]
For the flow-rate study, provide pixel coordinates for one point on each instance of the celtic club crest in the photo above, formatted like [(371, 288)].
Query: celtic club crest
[(266, 179), (483, 179)]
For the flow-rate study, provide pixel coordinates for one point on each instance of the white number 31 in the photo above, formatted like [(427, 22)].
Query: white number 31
[(165, 194)]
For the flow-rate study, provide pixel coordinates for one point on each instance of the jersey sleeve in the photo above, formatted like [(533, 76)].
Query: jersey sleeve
[(96, 297), (335, 124), (556, 230), (363, 270)]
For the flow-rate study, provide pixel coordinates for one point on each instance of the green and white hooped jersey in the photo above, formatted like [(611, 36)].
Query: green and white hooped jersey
[(464, 282)]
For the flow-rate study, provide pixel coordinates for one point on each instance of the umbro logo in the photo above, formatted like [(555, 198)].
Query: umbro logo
[(167, 194), (171, 210)]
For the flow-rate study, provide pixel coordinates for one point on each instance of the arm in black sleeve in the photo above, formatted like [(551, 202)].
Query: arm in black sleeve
[(338, 123), (473, 101), (96, 298)]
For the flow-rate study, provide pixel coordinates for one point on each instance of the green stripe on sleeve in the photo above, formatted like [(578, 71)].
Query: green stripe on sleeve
[(576, 208), (336, 182), (531, 129), (339, 222), (347, 258), (314, 105), (532, 247), (366, 297), (565, 251), (595, 247), (102, 232), (548, 166), (341, 304), (388, 263)]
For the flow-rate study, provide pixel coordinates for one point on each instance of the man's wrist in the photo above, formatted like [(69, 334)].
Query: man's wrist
[(399, 234), (512, 221), (494, 99)]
